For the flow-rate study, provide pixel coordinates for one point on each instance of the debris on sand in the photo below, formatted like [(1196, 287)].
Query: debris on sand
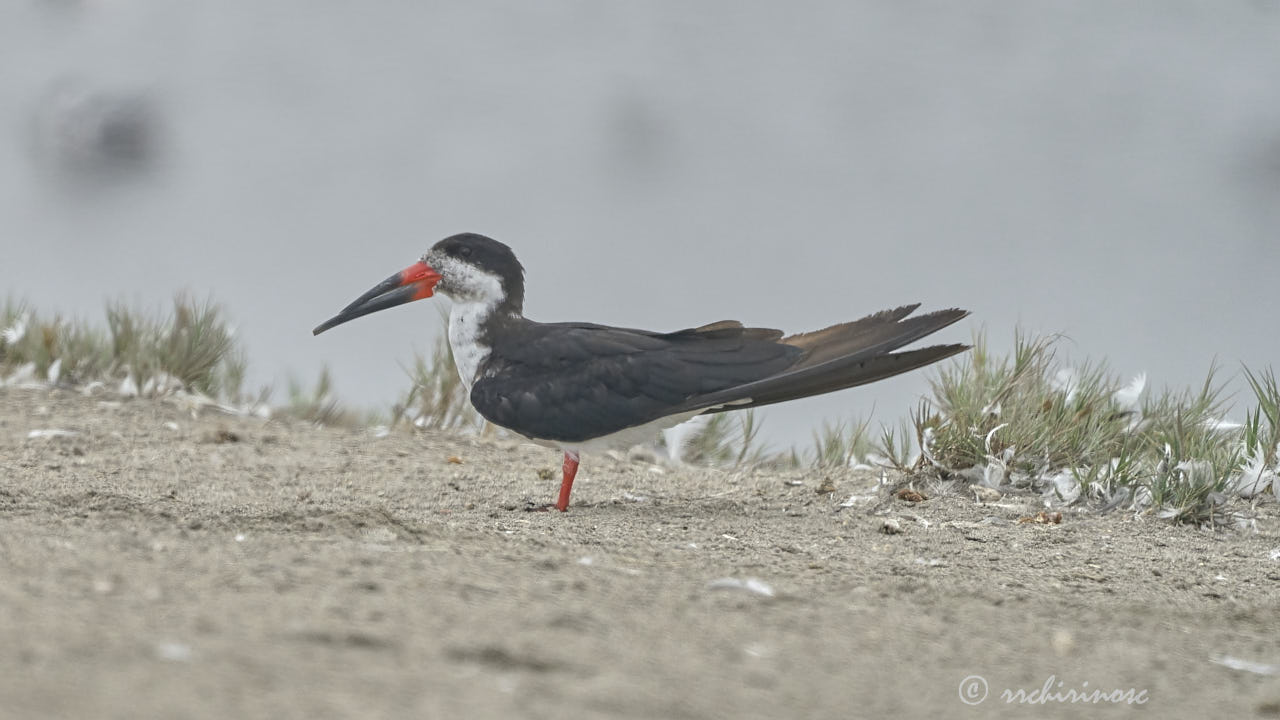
[(1042, 518), (910, 494), (984, 494), (891, 526), (853, 500), (54, 433), (174, 651), (221, 436), (1062, 642), (1249, 666), (751, 585)]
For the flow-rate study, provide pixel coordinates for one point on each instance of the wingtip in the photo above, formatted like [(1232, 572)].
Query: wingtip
[(902, 311), (948, 315)]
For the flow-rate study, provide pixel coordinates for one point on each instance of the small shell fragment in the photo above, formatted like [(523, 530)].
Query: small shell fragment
[(751, 585), (984, 494), (36, 434)]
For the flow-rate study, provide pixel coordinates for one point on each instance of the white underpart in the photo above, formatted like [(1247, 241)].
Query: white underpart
[(475, 295), (676, 437), (465, 319), (626, 438)]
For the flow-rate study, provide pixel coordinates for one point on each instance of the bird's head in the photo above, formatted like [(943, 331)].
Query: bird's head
[(465, 268)]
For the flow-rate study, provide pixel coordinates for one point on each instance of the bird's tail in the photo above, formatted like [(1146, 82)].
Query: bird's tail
[(844, 356)]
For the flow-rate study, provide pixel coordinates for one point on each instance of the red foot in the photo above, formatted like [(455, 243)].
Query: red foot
[(566, 485)]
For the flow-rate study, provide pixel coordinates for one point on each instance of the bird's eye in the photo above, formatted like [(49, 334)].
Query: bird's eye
[(464, 251)]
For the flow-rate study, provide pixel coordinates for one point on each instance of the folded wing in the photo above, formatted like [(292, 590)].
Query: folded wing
[(570, 382)]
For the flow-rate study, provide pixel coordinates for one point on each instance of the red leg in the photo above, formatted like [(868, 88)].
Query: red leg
[(566, 485)]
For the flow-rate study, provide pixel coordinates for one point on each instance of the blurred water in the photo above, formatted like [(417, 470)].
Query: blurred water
[(1107, 170)]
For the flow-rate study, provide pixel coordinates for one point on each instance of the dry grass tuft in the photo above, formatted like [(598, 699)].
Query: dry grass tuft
[(436, 398)]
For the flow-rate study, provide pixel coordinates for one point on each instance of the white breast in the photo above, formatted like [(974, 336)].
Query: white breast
[(627, 438), (469, 353)]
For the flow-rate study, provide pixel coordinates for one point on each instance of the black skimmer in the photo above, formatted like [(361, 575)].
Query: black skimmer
[(582, 386)]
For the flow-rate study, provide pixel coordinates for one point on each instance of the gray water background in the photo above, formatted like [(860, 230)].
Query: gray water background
[(1106, 170)]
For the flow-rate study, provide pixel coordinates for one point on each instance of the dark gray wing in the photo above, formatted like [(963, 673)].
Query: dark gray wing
[(570, 382)]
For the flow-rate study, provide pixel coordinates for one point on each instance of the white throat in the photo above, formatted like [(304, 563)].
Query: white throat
[(469, 351), (476, 295)]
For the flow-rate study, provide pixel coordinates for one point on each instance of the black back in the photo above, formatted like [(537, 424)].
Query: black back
[(571, 382)]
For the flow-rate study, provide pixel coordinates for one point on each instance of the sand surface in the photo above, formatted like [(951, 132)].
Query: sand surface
[(155, 564)]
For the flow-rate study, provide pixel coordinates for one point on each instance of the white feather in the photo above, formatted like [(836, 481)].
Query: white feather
[(1129, 397), (475, 295), (469, 353)]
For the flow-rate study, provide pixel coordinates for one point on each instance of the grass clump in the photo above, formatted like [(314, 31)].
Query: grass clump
[(1262, 423), (1049, 415), (1195, 452), (896, 447), (727, 439), (840, 444), (318, 405), (192, 349), (1079, 433), (56, 349), (436, 398)]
